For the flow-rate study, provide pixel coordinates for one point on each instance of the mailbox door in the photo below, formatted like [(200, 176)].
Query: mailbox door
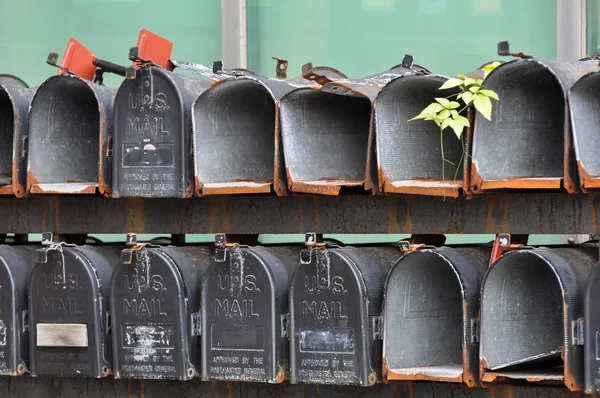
[(151, 137), (65, 304), (241, 309), (328, 322), (149, 318)]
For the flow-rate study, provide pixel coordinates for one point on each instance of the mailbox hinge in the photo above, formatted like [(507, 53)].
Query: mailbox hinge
[(285, 325), (196, 324), (378, 327), (577, 329), (475, 330)]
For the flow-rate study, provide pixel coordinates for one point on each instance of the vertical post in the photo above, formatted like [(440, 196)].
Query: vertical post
[(234, 37), (570, 29)]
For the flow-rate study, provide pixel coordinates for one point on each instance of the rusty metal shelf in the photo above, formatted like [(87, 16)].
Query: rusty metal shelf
[(534, 213)]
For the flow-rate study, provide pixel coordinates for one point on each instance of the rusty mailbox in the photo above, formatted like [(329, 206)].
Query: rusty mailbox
[(68, 310), (334, 295), (244, 296), (14, 107), (16, 264), (70, 125), (154, 303), (237, 134), (153, 129), (431, 298), (584, 110), (527, 144), (531, 301), (328, 131)]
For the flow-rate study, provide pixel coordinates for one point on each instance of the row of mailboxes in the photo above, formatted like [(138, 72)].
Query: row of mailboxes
[(165, 134), (322, 314)]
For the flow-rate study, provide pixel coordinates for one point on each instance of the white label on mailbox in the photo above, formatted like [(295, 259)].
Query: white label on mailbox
[(62, 335)]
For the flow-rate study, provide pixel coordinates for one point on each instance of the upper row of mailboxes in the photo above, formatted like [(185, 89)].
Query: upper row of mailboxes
[(165, 134), (320, 314)]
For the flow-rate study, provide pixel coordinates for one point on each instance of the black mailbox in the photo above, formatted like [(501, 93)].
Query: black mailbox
[(531, 301), (334, 295), (70, 125), (155, 298), (153, 134), (431, 300), (527, 144), (12, 79), (68, 310), (16, 264), (244, 295), (14, 107)]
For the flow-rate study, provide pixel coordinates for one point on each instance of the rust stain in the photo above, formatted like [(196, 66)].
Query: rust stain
[(6, 190), (393, 228), (384, 369), (279, 180), (374, 186), (593, 213), (103, 187), (31, 180), (199, 186), (408, 227), (490, 214), (37, 189), (265, 187), (18, 190), (475, 180), (56, 214), (445, 192), (570, 185), (135, 211), (587, 181)]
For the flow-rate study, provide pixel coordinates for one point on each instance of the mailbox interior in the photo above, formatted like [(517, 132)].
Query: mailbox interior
[(234, 133), (325, 140), (409, 156), (523, 146), (64, 137), (424, 303)]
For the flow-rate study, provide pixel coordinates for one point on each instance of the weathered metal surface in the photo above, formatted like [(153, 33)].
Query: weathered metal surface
[(69, 285), (16, 263), (584, 110), (70, 123), (591, 337), (153, 294), (251, 214), (529, 301), (528, 142), (334, 294), (244, 295), (12, 79), (431, 298), (153, 134), (14, 107)]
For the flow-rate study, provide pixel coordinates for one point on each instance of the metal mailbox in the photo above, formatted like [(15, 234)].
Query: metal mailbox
[(237, 133), (328, 132), (15, 100), (527, 144), (16, 264), (12, 79), (333, 296), (584, 110), (68, 310), (153, 133), (70, 126), (154, 303), (591, 337), (244, 296), (431, 298), (531, 301)]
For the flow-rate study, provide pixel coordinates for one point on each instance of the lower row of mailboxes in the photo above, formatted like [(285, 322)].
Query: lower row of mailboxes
[(310, 315)]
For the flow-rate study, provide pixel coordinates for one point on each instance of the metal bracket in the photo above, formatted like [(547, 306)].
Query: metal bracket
[(107, 327), (475, 330), (408, 61), (285, 322), (308, 72), (25, 321), (109, 145), (196, 324), (218, 69), (506, 242), (312, 241), (281, 68), (577, 328), (378, 327), (504, 50)]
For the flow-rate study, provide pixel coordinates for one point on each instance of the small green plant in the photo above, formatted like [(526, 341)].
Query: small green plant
[(448, 112)]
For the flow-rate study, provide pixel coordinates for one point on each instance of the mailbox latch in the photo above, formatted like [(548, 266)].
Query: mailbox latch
[(577, 328), (196, 324), (285, 325), (475, 331), (378, 327)]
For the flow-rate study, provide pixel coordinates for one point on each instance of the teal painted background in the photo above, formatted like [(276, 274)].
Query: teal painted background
[(359, 37)]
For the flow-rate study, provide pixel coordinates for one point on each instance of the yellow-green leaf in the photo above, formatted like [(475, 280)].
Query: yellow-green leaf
[(443, 101), (490, 93), (491, 66), (469, 81), (483, 105), (462, 120), (467, 97), (474, 89), (451, 83), (444, 114), (457, 127), (453, 105)]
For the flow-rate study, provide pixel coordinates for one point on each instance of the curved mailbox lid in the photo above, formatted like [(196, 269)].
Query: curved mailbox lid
[(332, 300), (584, 110), (592, 332), (13, 80), (528, 143), (243, 299), (432, 295), (530, 299), (70, 121), (14, 107), (16, 264), (237, 133), (68, 305), (152, 298), (328, 134), (152, 135)]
